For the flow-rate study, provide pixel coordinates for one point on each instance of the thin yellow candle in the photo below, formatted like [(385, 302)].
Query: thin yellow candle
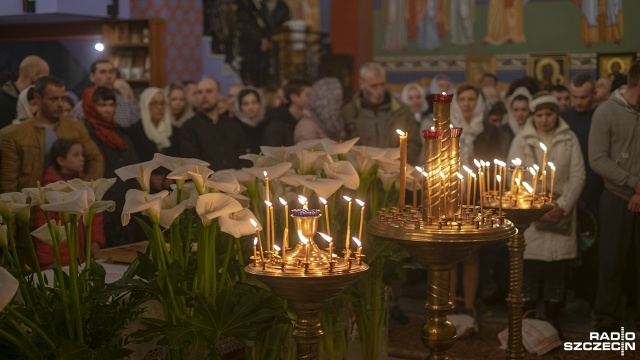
[(553, 179), (403, 166), (266, 185), (461, 180), (474, 190), (286, 213), (255, 224), (346, 245), (498, 179), (255, 251), (326, 214), (329, 239), (359, 251), (277, 249), (530, 190), (361, 203), (273, 227), (479, 166), (534, 171), (468, 185), (487, 175), (305, 241), (495, 162), (543, 172), (481, 179), (428, 189), (270, 239)]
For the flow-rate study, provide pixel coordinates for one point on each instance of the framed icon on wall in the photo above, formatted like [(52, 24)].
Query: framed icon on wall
[(609, 65), (549, 69), (477, 65)]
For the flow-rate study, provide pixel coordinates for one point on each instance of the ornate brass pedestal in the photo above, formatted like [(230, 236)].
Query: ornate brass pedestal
[(308, 278), (522, 214), (439, 247)]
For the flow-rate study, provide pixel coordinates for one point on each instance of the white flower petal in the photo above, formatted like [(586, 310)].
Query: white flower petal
[(224, 182), (322, 187), (343, 170), (279, 153), (238, 223), (136, 201), (9, 286), (211, 206), (73, 202), (140, 172), (99, 187), (273, 172), (171, 163), (44, 234), (169, 211), (334, 148)]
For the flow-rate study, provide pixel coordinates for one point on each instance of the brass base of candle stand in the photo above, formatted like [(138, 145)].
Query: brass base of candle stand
[(521, 212), (308, 293), (439, 245)]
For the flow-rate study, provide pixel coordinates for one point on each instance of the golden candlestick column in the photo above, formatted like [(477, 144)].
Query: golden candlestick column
[(431, 190), (403, 166), (449, 161), (452, 177)]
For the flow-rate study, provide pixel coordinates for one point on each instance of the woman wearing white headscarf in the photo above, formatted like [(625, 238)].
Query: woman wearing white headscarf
[(26, 106), (518, 109), (154, 133), (414, 96)]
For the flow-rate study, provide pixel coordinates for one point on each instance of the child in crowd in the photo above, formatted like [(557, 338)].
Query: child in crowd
[(68, 163)]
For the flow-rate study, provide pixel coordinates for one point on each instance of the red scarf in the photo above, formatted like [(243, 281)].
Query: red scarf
[(105, 128)]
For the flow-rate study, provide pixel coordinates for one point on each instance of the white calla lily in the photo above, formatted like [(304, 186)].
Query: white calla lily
[(389, 165), (194, 172), (75, 202), (334, 148), (44, 234), (314, 144), (60, 186), (273, 172), (188, 193), (322, 187), (294, 179), (279, 153), (260, 160), (15, 203), (169, 211), (224, 182), (238, 224), (343, 170), (141, 172), (172, 163), (38, 196), (99, 187), (137, 201), (213, 205), (9, 286), (364, 158), (304, 160), (388, 179)]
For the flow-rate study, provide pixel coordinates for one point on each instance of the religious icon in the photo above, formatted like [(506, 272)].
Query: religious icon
[(549, 69), (477, 65)]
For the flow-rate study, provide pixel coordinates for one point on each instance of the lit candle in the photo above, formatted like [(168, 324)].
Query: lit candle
[(326, 214), (255, 251), (305, 241), (515, 198), (487, 175), (329, 239), (534, 171), (266, 185), (277, 249), (461, 178), (403, 165), (468, 185), (498, 179), (553, 178), (255, 224), (495, 162), (346, 245), (443, 195), (286, 213), (474, 190), (269, 222), (543, 172), (273, 226), (361, 203), (359, 251), (303, 201), (530, 190)]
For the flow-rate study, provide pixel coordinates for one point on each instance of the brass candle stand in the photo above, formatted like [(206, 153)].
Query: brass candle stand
[(441, 232), (308, 277), (521, 210)]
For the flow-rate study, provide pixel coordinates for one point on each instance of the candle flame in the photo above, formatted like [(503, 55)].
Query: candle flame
[(533, 171), (444, 93), (269, 204), (323, 200), (425, 174), (528, 187), (466, 168), (265, 174), (400, 132), (254, 223), (419, 169), (283, 201), (460, 176), (543, 146), (496, 161), (302, 238), (302, 199), (516, 161), (442, 175), (255, 241), (276, 247), (499, 178), (535, 166), (475, 161), (517, 181), (473, 175), (450, 126), (355, 240), (552, 166), (347, 198), (360, 202), (326, 237)]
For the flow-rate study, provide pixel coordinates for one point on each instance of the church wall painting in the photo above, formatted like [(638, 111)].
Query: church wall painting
[(611, 64)]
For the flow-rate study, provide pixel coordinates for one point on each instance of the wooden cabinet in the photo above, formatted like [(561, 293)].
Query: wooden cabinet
[(136, 48)]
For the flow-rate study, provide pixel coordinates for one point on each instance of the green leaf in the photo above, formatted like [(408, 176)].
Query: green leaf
[(74, 351)]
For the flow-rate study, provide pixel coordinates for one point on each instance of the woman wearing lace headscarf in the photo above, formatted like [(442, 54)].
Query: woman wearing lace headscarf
[(414, 96), (322, 118)]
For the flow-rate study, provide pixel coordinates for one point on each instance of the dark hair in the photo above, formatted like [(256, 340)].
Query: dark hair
[(42, 83), (489, 75), (188, 82), (104, 94), (245, 92), (558, 88), (60, 148), (295, 86), (633, 75), (94, 65), (530, 83), (617, 81), (582, 79), (464, 87), (65, 99), (30, 94), (498, 109), (519, 98)]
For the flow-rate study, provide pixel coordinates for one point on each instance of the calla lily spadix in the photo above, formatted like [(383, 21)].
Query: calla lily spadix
[(137, 201), (239, 223), (75, 202), (9, 286), (343, 170), (213, 205), (44, 234), (141, 172)]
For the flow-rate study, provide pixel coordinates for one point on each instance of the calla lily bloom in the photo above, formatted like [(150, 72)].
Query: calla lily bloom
[(169, 211), (273, 172), (343, 170), (15, 203), (363, 157), (9, 286), (225, 182), (44, 234), (136, 201), (213, 205), (295, 180), (278, 153), (197, 173), (99, 187), (238, 224), (322, 187), (388, 179), (389, 165), (334, 148), (75, 202), (260, 160), (172, 163), (60, 186), (304, 160), (314, 145), (141, 172)]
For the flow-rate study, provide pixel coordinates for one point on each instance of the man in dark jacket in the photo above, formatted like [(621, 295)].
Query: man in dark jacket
[(31, 68), (281, 121)]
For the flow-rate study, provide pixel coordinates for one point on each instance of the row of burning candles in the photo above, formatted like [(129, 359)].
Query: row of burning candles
[(272, 248)]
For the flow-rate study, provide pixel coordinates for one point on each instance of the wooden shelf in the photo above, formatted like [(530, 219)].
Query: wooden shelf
[(136, 48)]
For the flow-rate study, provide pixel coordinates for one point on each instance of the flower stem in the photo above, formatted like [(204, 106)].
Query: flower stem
[(33, 327), (72, 243), (22, 346), (240, 255), (34, 256)]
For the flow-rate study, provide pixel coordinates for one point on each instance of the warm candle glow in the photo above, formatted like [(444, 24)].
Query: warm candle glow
[(266, 184), (346, 245), (355, 240), (258, 239), (303, 238), (255, 252), (400, 132), (303, 200), (543, 146), (326, 237), (329, 239), (499, 180), (323, 200), (478, 164), (403, 167), (553, 179), (282, 201), (326, 213), (361, 203)]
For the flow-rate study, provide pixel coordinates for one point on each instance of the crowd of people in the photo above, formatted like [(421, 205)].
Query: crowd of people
[(50, 134)]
